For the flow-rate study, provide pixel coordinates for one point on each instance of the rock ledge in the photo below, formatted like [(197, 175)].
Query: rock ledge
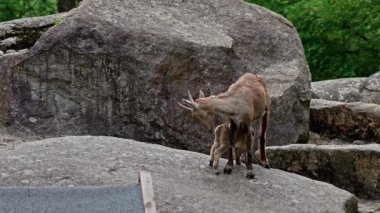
[(182, 180)]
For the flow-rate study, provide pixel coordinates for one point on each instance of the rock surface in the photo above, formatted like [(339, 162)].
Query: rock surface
[(10, 137), (368, 206), (23, 33), (116, 68), (344, 89), (371, 90), (182, 180), (322, 140), (351, 121), (349, 89), (355, 168)]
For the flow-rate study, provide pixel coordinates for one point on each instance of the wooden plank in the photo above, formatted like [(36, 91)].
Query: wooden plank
[(147, 192)]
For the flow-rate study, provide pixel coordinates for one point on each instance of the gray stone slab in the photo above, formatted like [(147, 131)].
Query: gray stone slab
[(348, 121), (182, 180), (355, 168), (82, 199)]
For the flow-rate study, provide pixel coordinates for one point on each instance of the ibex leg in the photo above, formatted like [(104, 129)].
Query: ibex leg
[(248, 164), (233, 138), (237, 155), (212, 155), (263, 131), (217, 154)]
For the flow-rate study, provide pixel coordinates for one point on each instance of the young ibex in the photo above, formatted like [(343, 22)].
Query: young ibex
[(222, 144), (244, 102)]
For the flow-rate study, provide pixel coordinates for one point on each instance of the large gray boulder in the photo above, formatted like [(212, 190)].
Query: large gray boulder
[(182, 180), (350, 121), (371, 89), (349, 89), (355, 168), (11, 136), (117, 67), (16, 37), (344, 89)]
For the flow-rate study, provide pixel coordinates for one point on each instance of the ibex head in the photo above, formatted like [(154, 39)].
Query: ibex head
[(205, 117)]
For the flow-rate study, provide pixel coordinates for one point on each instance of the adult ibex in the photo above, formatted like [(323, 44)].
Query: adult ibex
[(244, 102)]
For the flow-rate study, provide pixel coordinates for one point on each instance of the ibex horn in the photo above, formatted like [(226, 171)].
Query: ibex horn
[(185, 107), (192, 104), (201, 94), (190, 98)]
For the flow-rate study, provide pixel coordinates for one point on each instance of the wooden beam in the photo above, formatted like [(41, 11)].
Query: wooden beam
[(147, 192)]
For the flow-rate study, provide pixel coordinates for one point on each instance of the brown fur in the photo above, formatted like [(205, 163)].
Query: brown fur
[(244, 102), (222, 143)]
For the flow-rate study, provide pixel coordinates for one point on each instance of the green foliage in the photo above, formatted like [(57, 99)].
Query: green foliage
[(341, 37), (13, 9)]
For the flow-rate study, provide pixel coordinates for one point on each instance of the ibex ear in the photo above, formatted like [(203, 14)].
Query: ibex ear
[(201, 94)]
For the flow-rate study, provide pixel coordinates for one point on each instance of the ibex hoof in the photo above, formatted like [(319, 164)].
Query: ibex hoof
[(216, 172), (238, 163), (265, 164), (211, 163), (227, 170), (243, 159), (250, 175)]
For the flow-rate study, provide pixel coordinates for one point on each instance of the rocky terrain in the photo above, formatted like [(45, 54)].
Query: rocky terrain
[(347, 108), (349, 121), (355, 168), (366, 90), (117, 68), (10, 137), (345, 149), (182, 180)]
